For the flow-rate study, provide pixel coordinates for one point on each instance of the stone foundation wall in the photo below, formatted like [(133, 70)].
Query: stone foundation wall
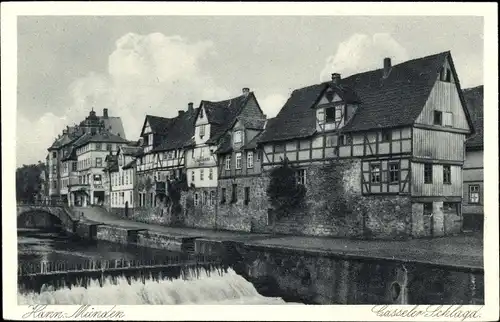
[(201, 215), (238, 216), (112, 234), (320, 279), (334, 206), (159, 241)]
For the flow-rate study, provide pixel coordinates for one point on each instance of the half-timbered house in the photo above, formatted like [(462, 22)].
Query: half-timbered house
[(212, 122), (380, 152), (149, 178), (473, 189)]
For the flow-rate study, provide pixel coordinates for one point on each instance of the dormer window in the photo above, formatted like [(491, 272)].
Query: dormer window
[(238, 137), (333, 114)]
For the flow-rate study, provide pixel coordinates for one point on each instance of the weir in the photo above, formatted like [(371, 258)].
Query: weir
[(61, 274), (207, 287)]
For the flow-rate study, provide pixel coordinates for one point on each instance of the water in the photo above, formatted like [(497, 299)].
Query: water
[(212, 287)]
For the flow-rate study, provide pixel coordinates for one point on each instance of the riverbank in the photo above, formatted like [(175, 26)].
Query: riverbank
[(318, 270), (462, 251)]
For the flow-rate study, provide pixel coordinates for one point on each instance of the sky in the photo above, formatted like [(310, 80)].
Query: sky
[(138, 65)]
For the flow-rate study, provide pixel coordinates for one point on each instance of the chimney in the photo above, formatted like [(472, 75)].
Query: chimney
[(190, 107), (65, 131), (245, 91), (105, 113), (336, 78), (181, 112), (387, 66)]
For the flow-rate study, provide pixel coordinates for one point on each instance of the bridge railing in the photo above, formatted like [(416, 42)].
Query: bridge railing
[(50, 267), (37, 202)]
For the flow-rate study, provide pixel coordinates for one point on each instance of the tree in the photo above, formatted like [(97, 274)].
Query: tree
[(284, 192), (29, 181), (175, 188)]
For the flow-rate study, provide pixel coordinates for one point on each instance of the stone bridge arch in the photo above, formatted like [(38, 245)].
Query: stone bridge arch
[(61, 216)]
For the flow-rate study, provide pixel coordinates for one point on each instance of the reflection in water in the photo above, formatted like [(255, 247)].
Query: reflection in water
[(35, 246), (212, 288)]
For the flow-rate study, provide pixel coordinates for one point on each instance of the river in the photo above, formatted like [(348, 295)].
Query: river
[(212, 287)]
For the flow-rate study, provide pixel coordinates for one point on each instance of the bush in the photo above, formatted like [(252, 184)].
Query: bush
[(284, 193)]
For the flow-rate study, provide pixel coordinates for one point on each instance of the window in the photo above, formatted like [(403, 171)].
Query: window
[(122, 197), (438, 118), (210, 174), (446, 174), (330, 114), (238, 137), (428, 173), (300, 175), (228, 162), (152, 200), (342, 140), (73, 166), (196, 199), (474, 193), (234, 196), (202, 130), (205, 197), (393, 172), (108, 147), (192, 176), (54, 169), (223, 195), (212, 197), (247, 195), (201, 174), (375, 173), (238, 160), (250, 159), (98, 146), (98, 162), (386, 136), (331, 141)]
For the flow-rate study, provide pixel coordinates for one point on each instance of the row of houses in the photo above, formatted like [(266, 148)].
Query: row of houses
[(379, 154)]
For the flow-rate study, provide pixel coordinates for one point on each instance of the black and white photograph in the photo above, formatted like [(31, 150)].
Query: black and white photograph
[(250, 157)]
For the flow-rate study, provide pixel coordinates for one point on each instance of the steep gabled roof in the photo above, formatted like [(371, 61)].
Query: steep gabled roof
[(101, 137), (474, 98), (180, 133), (222, 114), (395, 100), (158, 124)]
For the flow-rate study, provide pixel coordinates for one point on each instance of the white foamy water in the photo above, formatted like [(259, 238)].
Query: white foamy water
[(213, 288)]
